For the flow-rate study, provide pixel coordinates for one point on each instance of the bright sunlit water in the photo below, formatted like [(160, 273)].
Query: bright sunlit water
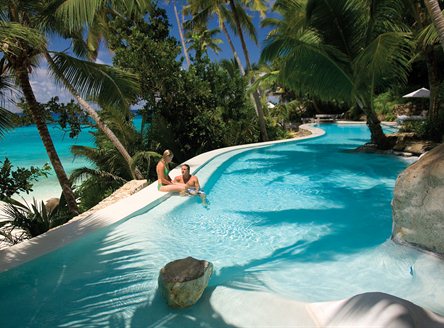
[(308, 220), (24, 148)]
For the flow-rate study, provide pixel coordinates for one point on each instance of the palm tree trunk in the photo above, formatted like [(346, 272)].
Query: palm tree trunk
[(182, 40), (230, 42), (102, 126), (47, 141), (437, 18), (434, 83), (435, 114), (376, 134), (256, 96)]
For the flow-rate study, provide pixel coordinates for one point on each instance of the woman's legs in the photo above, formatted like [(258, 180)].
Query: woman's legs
[(178, 187)]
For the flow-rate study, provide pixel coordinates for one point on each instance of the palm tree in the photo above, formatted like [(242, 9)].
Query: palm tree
[(201, 39), (33, 20), (7, 89), (202, 10), (437, 18), (100, 74), (239, 21), (427, 41), (110, 172), (180, 28), (236, 11), (343, 50), (97, 31)]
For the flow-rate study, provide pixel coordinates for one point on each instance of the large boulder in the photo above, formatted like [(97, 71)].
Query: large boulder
[(183, 281), (51, 204), (418, 203)]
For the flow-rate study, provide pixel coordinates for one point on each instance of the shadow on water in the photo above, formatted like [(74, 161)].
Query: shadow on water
[(310, 159), (156, 313), (104, 280), (71, 287), (109, 286)]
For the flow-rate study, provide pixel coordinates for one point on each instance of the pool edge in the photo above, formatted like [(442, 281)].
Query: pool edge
[(126, 208)]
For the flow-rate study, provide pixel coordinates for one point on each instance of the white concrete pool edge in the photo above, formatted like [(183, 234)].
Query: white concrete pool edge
[(141, 201)]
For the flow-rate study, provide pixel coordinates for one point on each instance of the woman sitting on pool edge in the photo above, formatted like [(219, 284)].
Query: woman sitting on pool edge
[(163, 179)]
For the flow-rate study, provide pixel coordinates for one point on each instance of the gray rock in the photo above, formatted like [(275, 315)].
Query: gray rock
[(418, 203), (183, 281)]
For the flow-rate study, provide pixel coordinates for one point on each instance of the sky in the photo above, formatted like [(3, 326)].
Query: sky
[(45, 88)]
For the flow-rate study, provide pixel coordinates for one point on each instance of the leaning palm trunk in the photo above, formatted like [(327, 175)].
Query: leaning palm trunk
[(256, 96), (437, 18), (377, 136), (47, 141), (102, 126), (182, 40), (230, 42)]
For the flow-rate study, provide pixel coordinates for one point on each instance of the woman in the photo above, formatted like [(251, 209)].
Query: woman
[(164, 180)]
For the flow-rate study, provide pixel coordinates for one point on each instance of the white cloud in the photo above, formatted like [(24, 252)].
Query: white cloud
[(45, 87)]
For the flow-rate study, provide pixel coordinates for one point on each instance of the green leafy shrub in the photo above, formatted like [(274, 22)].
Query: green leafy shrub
[(420, 128), (19, 180), (30, 219), (384, 105)]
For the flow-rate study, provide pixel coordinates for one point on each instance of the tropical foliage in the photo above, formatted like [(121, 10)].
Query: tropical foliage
[(187, 111), (23, 221), (14, 181), (24, 28), (344, 50), (110, 172)]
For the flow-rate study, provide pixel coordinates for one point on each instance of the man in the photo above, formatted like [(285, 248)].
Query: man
[(191, 182)]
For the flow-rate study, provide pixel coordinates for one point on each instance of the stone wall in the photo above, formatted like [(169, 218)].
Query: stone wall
[(418, 203)]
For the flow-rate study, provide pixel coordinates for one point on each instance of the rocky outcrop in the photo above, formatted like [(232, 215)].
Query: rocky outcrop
[(52, 203), (183, 281), (128, 189), (408, 142), (418, 203)]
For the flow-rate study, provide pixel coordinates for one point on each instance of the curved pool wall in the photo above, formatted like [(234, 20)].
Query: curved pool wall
[(318, 231), (140, 202)]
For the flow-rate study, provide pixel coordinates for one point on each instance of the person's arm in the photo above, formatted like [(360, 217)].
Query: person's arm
[(161, 174), (197, 184), (194, 182), (177, 179)]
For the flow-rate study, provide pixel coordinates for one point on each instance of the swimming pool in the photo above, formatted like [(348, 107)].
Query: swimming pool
[(307, 220)]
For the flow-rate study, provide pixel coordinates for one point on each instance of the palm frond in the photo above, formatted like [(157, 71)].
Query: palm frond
[(246, 23), (83, 173), (427, 36), (77, 13), (5, 121), (310, 65), (101, 83), (265, 81), (385, 59), (10, 33)]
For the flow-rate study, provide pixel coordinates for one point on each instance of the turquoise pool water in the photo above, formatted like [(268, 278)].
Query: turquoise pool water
[(309, 220)]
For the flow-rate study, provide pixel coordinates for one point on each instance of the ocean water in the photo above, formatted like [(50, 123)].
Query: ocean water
[(24, 148), (308, 220)]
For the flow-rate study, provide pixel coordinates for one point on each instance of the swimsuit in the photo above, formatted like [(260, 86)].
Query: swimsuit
[(193, 190), (166, 172)]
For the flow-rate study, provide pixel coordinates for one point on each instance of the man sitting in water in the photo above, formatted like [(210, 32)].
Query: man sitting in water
[(191, 182)]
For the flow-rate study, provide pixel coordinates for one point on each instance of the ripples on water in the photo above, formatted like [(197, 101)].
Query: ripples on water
[(307, 220)]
